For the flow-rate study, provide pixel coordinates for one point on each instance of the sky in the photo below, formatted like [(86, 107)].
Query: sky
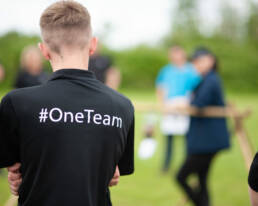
[(121, 23)]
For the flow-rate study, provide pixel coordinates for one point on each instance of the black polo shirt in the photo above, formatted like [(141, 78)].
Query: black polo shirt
[(69, 134)]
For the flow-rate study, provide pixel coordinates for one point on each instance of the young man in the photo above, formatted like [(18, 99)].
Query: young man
[(174, 84), (70, 133)]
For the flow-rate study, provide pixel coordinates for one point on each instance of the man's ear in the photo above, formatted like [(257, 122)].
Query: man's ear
[(93, 45), (44, 50)]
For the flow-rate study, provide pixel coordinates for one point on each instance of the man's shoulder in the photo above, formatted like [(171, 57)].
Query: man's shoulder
[(120, 98), (24, 92)]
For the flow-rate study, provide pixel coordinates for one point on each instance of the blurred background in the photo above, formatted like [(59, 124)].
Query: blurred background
[(136, 35)]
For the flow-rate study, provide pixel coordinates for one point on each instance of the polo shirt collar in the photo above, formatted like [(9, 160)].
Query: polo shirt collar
[(72, 74)]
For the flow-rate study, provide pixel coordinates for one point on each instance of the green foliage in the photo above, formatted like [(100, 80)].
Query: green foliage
[(237, 60), (252, 24), (139, 66)]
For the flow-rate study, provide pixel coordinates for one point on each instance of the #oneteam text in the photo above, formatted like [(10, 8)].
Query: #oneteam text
[(88, 116)]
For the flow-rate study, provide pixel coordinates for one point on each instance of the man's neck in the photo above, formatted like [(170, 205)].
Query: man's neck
[(71, 61)]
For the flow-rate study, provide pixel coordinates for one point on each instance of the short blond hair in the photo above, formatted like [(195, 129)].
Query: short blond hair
[(65, 23)]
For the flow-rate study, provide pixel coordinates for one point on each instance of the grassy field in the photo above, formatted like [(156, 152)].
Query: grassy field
[(148, 187)]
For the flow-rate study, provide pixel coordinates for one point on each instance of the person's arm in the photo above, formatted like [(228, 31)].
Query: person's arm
[(160, 93), (113, 78), (126, 163), (253, 197), (115, 180), (9, 143), (160, 87), (14, 178)]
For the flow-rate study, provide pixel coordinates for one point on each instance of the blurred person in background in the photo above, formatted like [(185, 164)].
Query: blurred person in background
[(101, 66), (206, 136), (2, 73), (113, 78), (31, 73), (174, 84)]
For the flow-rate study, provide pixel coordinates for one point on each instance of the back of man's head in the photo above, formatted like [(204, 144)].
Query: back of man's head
[(66, 24)]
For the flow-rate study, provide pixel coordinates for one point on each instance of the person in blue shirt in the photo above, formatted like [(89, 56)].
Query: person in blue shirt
[(174, 84), (206, 136)]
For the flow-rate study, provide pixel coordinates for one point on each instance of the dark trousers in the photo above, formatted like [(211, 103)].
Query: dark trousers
[(168, 152), (199, 165)]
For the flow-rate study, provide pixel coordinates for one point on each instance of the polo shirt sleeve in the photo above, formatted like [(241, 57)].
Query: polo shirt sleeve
[(126, 163), (253, 174), (9, 149)]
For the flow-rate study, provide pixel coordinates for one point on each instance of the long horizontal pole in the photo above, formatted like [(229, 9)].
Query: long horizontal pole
[(215, 112)]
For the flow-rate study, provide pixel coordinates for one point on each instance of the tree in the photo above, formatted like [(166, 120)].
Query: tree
[(184, 22), (232, 25), (252, 24)]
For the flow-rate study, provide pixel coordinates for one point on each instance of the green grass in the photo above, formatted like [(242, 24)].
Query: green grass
[(148, 187)]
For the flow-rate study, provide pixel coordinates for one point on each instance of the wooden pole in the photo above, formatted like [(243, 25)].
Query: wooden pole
[(243, 140), (213, 112)]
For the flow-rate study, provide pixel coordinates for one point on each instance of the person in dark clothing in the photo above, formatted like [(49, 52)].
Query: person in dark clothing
[(73, 133), (31, 73), (101, 66), (206, 136)]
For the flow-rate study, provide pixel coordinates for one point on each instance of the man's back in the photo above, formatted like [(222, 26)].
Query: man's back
[(70, 133)]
